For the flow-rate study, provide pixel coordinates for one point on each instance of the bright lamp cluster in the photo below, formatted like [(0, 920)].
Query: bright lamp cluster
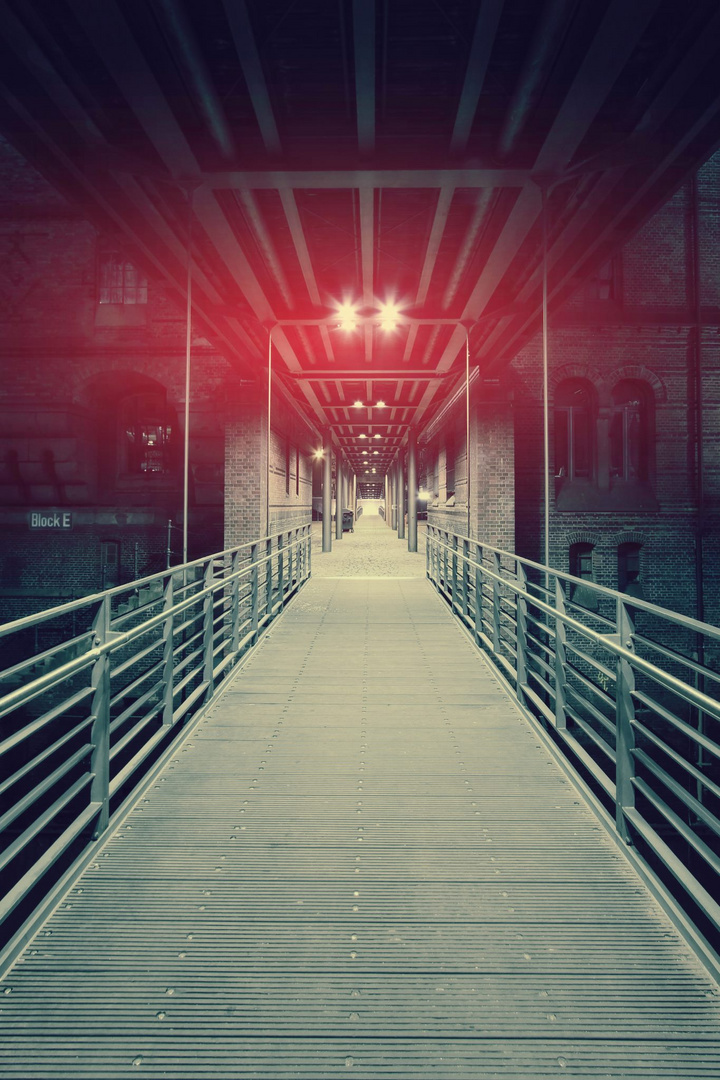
[(386, 318)]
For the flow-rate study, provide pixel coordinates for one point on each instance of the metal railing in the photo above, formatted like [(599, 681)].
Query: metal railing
[(93, 692), (627, 690)]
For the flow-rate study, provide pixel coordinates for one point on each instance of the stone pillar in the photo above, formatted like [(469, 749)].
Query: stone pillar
[(327, 494), (245, 467), (401, 496), (412, 490), (338, 495)]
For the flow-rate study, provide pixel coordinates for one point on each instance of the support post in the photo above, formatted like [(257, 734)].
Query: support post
[(624, 719), (168, 654), (327, 494), (521, 633), (401, 497), (254, 619), (281, 570), (560, 656), (497, 638), (208, 638), (393, 496), (478, 593), (338, 495), (412, 490), (100, 757)]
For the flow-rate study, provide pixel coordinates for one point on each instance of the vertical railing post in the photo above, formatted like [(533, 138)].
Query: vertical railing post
[(445, 560), (521, 631), (624, 719), (464, 578), (560, 656), (478, 593), (100, 757), (208, 642), (168, 655), (234, 602), (454, 585), (428, 544), (308, 550), (254, 592), (268, 577), (497, 567), (281, 570)]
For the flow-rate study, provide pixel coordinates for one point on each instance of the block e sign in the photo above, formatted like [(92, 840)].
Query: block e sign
[(50, 519)]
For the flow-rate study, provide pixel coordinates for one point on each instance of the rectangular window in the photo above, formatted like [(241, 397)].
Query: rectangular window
[(119, 281), (449, 470), (109, 563), (600, 287)]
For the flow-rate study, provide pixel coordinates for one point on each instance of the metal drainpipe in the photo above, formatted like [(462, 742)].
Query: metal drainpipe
[(699, 451)]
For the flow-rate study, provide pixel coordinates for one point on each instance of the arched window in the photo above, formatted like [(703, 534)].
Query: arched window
[(629, 580), (145, 435), (575, 426), (581, 566), (629, 431)]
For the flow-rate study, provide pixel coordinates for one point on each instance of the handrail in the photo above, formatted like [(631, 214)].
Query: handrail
[(88, 713), (581, 658)]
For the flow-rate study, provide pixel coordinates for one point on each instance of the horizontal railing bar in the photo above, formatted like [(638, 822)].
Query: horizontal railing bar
[(687, 766), (190, 700), (42, 721), (677, 657), (635, 602), (123, 691), (599, 692), (35, 827), (135, 704), (32, 876), (194, 673), (136, 658), (598, 774), (28, 766), (682, 875), (32, 796), (601, 718), (683, 830), (118, 747), (39, 658), (697, 736), (121, 777), (538, 703), (592, 661), (593, 735), (688, 800)]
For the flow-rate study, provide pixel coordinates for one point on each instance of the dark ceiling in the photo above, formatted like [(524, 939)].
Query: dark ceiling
[(365, 151)]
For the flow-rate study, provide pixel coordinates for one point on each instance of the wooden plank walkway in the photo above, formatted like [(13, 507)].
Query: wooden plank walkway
[(363, 863)]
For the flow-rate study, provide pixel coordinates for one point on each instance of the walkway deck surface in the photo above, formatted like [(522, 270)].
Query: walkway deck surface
[(363, 863)]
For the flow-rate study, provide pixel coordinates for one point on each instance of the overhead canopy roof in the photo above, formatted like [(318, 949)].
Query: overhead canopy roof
[(365, 151)]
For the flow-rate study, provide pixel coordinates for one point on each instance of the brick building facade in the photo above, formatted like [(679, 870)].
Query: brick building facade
[(634, 408), (92, 416)]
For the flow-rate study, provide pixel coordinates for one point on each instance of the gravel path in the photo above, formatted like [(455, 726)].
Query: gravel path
[(373, 550)]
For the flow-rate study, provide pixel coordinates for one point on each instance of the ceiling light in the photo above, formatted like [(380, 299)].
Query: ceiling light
[(318, 454), (348, 316), (388, 315), (374, 436), (365, 451), (374, 451), (379, 404), (358, 404), (362, 435)]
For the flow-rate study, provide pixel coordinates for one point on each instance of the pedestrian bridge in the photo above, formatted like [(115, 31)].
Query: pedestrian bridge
[(361, 850)]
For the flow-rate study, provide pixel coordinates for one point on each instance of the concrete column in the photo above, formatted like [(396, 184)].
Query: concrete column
[(338, 495), (412, 490), (401, 496), (393, 495), (327, 494)]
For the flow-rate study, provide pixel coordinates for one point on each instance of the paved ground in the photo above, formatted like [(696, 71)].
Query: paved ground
[(373, 550)]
